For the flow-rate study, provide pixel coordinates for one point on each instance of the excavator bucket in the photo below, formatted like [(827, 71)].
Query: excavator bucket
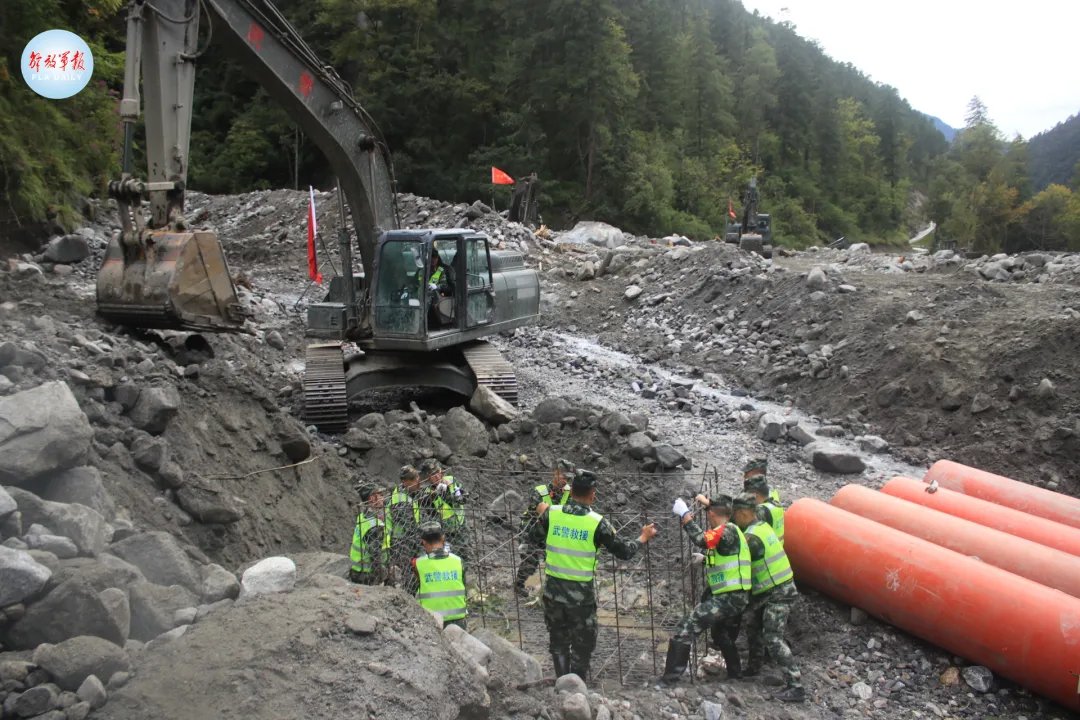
[(171, 280)]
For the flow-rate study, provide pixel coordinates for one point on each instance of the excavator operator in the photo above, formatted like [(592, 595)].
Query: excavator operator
[(439, 289)]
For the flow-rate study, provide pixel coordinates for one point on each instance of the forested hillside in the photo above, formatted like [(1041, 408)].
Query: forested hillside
[(1055, 154)]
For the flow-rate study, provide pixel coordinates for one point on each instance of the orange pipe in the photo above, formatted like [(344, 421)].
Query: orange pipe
[(1018, 628), (1047, 566), (1040, 530), (1006, 491)]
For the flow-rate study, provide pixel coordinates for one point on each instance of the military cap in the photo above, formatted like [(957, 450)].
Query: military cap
[(408, 471), (757, 465), (366, 490), (431, 531), (746, 501), (721, 503), (757, 483), (584, 480), (430, 467)]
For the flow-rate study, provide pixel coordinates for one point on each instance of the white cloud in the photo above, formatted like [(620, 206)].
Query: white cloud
[(1018, 57)]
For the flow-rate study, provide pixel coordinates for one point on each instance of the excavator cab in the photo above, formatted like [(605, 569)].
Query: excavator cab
[(168, 280)]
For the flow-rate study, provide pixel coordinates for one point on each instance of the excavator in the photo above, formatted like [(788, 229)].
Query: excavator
[(754, 231), (415, 313)]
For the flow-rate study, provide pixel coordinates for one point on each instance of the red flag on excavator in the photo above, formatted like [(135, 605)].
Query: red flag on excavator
[(498, 177), (730, 209), (313, 265)]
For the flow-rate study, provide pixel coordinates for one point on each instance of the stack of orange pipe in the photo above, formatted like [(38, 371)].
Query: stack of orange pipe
[(905, 555)]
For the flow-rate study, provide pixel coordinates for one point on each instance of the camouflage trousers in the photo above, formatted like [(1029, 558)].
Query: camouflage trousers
[(571, 632), (767, 621), (711, 610), (531, 555)]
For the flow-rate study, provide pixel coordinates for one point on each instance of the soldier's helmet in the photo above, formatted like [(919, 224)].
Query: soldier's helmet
[(429, 467), (721, 504), (366, 490), (584, 480), (746, 501), (431, 531)]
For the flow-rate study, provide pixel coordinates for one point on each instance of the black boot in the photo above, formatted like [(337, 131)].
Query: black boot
[(678, 657), (581, 669), (791, 695), (722, 641), (561, 663)]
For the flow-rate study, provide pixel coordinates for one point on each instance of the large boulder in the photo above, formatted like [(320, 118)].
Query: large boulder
[(161, 559), (69, 663), (218, 584), (86, 527), (668, 457), (512, 664), (594, 233), (104, 571), (487, 404), (82, 485), (639, 446), (42, 430), (771, 427), (72, 608), (153, 608), (67, 249), (464, 433), (208, 503), (617, 423), (828, 457), (7, 504), (21, 576), (552, 410), (271, 575), (155, 408)]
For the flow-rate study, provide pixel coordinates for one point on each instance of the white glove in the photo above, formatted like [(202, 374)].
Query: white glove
[(679, 508), (441, 488), (696, 558), (432, 286)]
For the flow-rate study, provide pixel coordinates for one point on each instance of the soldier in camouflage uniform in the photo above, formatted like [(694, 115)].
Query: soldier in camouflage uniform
[(727, 572), (755, 472), (541, 498), (406, 509), (572, 534), (772, 593), (447, 500), (369, 551)]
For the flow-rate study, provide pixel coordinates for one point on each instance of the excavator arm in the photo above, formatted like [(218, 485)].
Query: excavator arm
[(156, 273)]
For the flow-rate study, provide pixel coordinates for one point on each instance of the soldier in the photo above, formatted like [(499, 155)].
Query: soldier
[(447, 500), (404, 513), (773, 593), (369, 553), (572, 534), (440, 577), (758, 468), (542, 497), (727, 572)]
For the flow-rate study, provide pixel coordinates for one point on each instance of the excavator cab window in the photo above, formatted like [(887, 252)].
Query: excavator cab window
[(399, 306), (480, 300)]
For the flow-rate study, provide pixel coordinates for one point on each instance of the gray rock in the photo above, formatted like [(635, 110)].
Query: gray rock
[(115, 602), (816, 279), (464, 433), (831, 431), (858, 249), (153, 608), (359, 440), (1046, 390), (171, 475), (155, 408), (15, 670), (800, 434), (617, 423), (371, 421), (507, 505), (78, 711), (42, 430), (846, 289), (468, 646), (633, 292), (271, 575), (21, 577), (104, 571), (508, 661), (274, 340), (295, 442), (127, 394), (7, 505), (978, 678), (771, 427), (58, 545), (166, 637), (668, 457), (551, 410), (149, 453), (118, 680), (570, 683), (980, 403), (913, 317), (92, 691), (834, 459), (594, 233), (82, 485), (218, 584), (86, 527), (712, 710), (72, 608), (36, 701), (576, 707), (488, 405), (67, 249), (208, 503), (185, 616), (862, 691), (872, 443), (161, 559), (639, 446), (361, 623), (204, 610), (70, 662)]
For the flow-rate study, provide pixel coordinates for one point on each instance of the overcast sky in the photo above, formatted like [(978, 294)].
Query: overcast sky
[(1019, 57)]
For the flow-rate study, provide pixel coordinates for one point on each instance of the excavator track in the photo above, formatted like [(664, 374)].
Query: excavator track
[(492, 369), (326, 404)]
